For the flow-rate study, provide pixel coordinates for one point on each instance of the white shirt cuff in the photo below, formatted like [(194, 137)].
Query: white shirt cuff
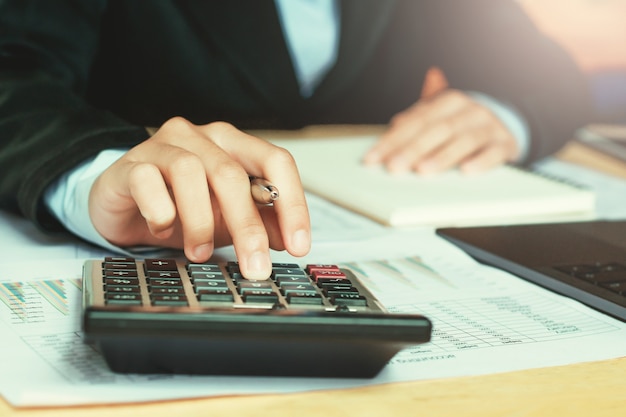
[(510, 118), (68, 198)]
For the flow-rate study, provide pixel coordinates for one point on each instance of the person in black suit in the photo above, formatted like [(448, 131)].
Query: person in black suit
[(81, 78)]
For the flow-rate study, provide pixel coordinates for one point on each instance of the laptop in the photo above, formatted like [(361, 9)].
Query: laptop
[(583, 260)]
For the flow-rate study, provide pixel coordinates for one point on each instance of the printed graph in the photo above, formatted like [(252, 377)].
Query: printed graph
[(28, 302), (412, 273)]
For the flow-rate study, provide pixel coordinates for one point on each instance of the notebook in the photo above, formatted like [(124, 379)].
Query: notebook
[(583, 260), (331, 168)]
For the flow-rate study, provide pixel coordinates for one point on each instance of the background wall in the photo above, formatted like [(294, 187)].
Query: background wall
[(594, 32)]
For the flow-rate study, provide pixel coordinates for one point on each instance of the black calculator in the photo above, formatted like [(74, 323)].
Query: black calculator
[(172, 316)]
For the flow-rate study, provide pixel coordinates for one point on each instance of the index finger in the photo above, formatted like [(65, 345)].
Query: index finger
[(275, 164)]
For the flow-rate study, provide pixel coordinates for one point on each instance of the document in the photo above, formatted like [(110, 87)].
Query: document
[(332, 168), (484, 321)]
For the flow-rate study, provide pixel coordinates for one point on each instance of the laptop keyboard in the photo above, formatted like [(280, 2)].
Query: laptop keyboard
[(609, 275), (581, 260)]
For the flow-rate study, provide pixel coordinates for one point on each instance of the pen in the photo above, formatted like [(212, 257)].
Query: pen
[(263, 192)]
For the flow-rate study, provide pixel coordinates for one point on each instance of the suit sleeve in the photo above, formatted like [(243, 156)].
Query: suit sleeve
[(46, 126), (491, 46)]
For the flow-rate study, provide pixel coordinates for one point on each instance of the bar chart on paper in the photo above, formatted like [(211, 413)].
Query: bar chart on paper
[(38, 301), (44, 315), (412, 273)]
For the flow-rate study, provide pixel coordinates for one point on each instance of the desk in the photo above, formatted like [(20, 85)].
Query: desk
[(586, 389)]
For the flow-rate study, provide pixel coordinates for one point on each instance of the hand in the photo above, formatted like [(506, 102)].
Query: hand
[(447, 130), (188, 187)]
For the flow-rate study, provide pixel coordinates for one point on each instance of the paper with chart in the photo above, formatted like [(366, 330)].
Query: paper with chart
[(484, 321)]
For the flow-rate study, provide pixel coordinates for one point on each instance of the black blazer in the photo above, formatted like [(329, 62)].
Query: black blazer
[(77, 77)]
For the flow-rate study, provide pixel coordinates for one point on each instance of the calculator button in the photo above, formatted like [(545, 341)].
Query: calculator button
[(216, 295), (121, 281), (292, 280), (355, 300), (279, 265), (173, 290), (121, 288), (331, 282), (204, 268), (201, 276), (310, 268), (327, 274), (302, 288), (255, 287), (164, 274), (160, 265), (120, 259), (211, 285), (158, 282), (338, 289), (120, 274), (261, 298), (287, 272), (169, 300), (121, 299), (304, 298), (114, 266)]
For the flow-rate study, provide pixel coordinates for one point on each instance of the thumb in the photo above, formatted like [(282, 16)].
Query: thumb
[(434, 82)]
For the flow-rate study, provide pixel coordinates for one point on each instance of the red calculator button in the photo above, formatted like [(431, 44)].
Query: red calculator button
[(327, 274), (310, 268)]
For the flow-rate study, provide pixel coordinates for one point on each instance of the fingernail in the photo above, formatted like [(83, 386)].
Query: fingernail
[(428, 167), (259, 266), (371, 158), (301, 241), (398, 165), (202, 252)]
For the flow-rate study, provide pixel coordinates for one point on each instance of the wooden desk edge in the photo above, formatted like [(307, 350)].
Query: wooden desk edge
[(583, 389)]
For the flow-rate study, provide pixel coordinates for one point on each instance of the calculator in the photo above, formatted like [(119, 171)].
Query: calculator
[(172, 316)]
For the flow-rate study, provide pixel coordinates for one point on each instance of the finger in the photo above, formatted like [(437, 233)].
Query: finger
[(185, 173), (409, 127), (402, 127), (450, 154), (432, 138), (261, 158), (270, 220), (232, 190), (291, 208), (147, 187), (130, 204), (496, 153), (470, 129)]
